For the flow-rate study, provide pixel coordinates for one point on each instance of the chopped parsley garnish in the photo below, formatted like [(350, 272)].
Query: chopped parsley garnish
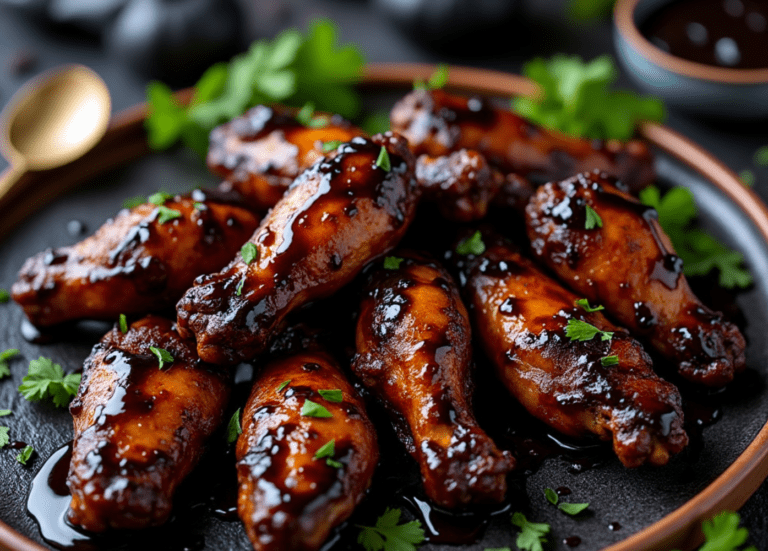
[(233, 428), (376, 123), (532, 535), (472, 245), (4, 438), (327, 451), (312, 409), (5, 356), (305, 114), (293, 69), (388, 535), (25, 454), (608, 361), (200, 206), (331, 145), (747, 177), (249, 252), (239, 289), (551, 496), (5, 296), (133, 202), (159, 198), (46, 379), (333, 395), (584, 304), (166, 215), (567, 508), (383, 161), (761, 156), (438, 79), (593, 219), (283, 385), (123, 323), (576, 99), (578, 330), (722, 533), (392, 262), (5, 412), (163, 356), (700, 252)]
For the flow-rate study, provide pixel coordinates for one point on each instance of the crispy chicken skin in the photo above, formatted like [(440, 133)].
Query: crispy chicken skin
[(521, 316), (261, 152), (133, 264), (414, 352), (436, 123), (139, 430), (287, 498), (337, 216), (630, 267)]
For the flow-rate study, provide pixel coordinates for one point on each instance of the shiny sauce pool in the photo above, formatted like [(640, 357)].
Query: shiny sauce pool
[(723, 33)]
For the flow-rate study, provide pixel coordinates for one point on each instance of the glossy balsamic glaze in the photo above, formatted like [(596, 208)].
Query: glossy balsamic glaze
[(724, 33)]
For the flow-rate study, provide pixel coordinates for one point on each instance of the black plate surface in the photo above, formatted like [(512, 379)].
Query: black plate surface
[(631, 499)]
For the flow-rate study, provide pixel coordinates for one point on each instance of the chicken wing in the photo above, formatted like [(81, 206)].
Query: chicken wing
[(141, 261), (338, 215), (414, 351), (306, 455), (629, 266), (436, 123), (600, 382), (140, 427), (262, 152)]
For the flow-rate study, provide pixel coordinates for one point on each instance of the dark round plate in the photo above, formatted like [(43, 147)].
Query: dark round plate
[(646, 508)]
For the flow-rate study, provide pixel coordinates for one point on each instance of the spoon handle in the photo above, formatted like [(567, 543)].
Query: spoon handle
[(10, 178)]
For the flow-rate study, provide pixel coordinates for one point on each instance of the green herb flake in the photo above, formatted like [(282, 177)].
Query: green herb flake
[(593, 219), (200, 206), (747, 177), (312, 409), (608, 361), (5, 296), (25, 454), (700, 252), (472, 245), (239, 289), (320, 121), (283, 385), (376, 123), (334, 395), (584, 304), (133, 202), (331, 145), (123, 324), (4, 438), (46, 380), (761, 156), (572, 509), (164, 214), (722, 533), (551, 496), (388, 535), (327, 451), (233, 428), (532, 535), (5, 412), (589, 10), (5, 357), (163, 356), (305, 114), (159, 198), (249, 252), (439, 78), (383, 161), (578, 330), (392, 262), (576, 99)]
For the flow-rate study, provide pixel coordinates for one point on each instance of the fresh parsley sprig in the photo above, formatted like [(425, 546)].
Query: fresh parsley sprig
[(579, 330), (5, 296), (701, 253), (45, 380), (388, 535), (234, 428), (5, 357), (163, 356), (392, 262), (438, 79), (25, 455), (4, 438), (532, 536), (722, 533), (567, 508), (577, 99), (471, 245), (293, 69)]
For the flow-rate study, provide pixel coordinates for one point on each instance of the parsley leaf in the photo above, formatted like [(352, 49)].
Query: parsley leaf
[(46, 379), (283, 385), (722, 533), (572, 509), (438, 79), (701, 253), (376, 123), (578, 330), (593, 219), (747, 177), (25, 454), (388, 535), (5, 412), (133, 202), (304, 115), (327, 451), (5, 371), (5, 296), (333, 395), (233, 428), (159, 198), (163, 356), (249, 252), (392, 262), (383, 161), (472, 245), (576, 99), (761, 156), (532, 534), (312, 409), (331, 145), (551, 496), (4, 438), (200, 206), (608, 361), (166, 215), (584, 303), (123, 324)]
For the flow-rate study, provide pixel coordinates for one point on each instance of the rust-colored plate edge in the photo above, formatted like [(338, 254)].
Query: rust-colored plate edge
[(679, 529)]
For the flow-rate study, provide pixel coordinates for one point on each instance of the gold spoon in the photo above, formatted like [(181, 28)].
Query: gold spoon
[(53, 120)]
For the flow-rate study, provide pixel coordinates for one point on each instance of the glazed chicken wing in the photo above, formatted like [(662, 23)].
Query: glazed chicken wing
[(337, 216), (141, 261), (604, 385), (629, 266), (305, 457), (436, 123), (140, 427), (414, 351), (261, 152)]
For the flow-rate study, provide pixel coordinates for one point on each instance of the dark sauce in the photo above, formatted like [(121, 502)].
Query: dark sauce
[(572, 541), (723, 33)]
